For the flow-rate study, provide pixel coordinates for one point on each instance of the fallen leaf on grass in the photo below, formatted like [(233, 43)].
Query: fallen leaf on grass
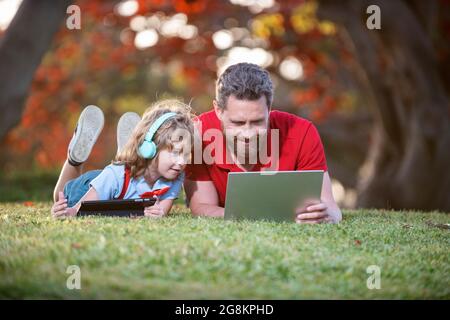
[(28, 204), (438, 225), (76, 245)]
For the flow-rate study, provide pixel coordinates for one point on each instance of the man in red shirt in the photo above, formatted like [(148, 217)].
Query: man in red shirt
[(240, 131)]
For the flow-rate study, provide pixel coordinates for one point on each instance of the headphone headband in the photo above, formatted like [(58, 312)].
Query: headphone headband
[(157, 124)]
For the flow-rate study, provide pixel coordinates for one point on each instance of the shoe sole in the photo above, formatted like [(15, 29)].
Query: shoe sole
[(89, 127), (125, 127)]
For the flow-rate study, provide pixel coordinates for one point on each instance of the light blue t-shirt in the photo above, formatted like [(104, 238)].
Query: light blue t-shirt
[(110, 181)]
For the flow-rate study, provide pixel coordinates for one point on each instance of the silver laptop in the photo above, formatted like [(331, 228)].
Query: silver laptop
[(270, 195)]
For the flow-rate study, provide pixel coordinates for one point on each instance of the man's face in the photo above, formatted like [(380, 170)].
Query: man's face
[(243, 123)]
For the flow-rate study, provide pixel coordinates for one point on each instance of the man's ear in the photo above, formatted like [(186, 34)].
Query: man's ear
[(218, 110)]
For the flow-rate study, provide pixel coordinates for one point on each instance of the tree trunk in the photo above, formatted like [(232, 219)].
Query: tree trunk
[(21, 49), (345, 135), (407, 164)]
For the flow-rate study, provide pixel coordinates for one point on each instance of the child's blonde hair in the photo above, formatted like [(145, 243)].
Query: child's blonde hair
[(163, 137)]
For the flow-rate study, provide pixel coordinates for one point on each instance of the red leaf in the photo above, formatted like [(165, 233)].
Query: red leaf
[(76, 245)]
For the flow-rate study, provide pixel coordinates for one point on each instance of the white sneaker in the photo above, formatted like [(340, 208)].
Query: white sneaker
[(127, 122), (90, 124)]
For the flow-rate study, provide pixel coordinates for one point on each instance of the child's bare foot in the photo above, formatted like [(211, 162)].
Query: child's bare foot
[(125, 127), (89, 126)]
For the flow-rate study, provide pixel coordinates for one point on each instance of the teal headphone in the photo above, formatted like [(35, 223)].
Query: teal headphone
[(148, 149)]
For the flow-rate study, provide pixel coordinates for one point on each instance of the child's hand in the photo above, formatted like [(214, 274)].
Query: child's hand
[(154, 211), (60, 209)]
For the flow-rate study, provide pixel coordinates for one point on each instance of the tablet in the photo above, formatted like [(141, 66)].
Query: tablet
[(271, 195), (115, 208)]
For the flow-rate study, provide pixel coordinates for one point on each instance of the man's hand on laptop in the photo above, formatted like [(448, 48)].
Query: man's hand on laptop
[(314, 213)]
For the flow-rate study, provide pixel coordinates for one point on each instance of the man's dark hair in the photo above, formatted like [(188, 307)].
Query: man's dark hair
[(245, 81)]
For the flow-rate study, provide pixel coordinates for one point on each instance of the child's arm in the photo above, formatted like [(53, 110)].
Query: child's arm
[(159, 209), (90, 195), (60, 208)]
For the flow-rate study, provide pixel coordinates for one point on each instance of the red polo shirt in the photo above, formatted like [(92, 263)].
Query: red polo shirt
[(300, 148)]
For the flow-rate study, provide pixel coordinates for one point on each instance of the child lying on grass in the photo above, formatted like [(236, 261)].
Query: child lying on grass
[(152, 154)]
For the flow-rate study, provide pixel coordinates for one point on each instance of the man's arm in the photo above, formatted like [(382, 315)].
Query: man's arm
[(202, 198), (326, 210)]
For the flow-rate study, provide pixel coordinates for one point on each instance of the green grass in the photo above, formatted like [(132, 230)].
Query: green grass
[(180, 257)]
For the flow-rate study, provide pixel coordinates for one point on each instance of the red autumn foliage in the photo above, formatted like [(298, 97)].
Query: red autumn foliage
[(99, 64)]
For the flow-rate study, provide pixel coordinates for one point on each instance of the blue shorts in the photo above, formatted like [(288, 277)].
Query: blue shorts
[(76, 188)]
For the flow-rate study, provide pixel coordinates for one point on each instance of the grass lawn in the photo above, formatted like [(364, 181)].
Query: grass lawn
[(180, 257)]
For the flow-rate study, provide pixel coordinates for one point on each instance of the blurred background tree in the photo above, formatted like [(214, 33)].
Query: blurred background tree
[(378, 97)]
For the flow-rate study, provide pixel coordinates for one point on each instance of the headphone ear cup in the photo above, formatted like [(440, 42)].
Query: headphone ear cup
[(147, 150), (152, 150)]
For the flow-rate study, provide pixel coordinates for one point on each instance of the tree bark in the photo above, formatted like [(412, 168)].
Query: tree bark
[(407, 164), (345, 142), (22, 47)]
